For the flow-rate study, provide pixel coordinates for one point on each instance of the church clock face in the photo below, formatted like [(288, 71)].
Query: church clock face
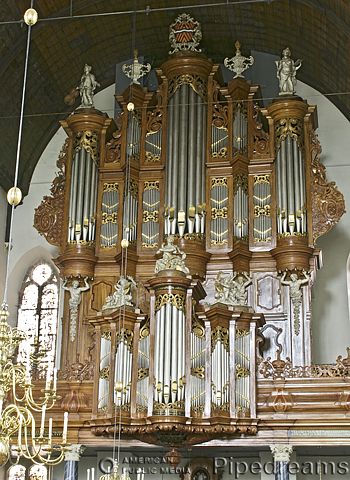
[(200, 474)]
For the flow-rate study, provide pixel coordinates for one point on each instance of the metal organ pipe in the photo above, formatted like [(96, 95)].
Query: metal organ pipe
[(290, 188), (185, 160), (82, 198), (86, 203)]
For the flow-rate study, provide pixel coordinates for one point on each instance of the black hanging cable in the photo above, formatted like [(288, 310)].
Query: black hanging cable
[(15, 183), (126, 236)]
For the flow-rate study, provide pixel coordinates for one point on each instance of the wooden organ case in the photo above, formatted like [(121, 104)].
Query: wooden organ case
[(242, 190)]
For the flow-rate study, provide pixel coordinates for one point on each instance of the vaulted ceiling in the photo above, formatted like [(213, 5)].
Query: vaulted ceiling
[(70, 33)]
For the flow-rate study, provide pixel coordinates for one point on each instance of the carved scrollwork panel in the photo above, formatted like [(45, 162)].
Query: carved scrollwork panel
[(327, 203), (49, 217), (113, 148), (260, 137)]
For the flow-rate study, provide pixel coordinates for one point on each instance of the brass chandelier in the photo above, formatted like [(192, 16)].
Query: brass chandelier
[(17, 404), (19, 408)]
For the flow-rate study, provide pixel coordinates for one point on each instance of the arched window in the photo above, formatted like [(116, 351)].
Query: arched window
[(16, 472), (38, 472), (38, 315)]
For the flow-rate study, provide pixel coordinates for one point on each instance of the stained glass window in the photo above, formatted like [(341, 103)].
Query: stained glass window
[(38, 472), (16, 472), (38, 314)]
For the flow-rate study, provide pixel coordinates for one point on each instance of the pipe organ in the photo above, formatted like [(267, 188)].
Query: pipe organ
[(235, 185)]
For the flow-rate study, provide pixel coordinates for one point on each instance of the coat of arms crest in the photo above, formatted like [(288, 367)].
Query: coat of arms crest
[(185, 34)]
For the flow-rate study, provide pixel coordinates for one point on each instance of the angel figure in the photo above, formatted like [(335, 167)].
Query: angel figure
[(173, 258), (122, 295), (241, 285)]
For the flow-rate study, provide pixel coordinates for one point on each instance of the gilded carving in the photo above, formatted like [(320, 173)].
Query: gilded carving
[(113, 148), (155, 117), (198, 84), (144, 331), (89, 141), (292, 127), (198, 372), (185, 34), (241, 332), (327, 203), (220, 111), (219, 182), (126, 336), (241, 372), (104, 373), (142, 373), (134, 189), (49, 219), (179, 301), (240, 181), (262, 179), (280, 368), (220, 334), (198, 327), (151, 186)]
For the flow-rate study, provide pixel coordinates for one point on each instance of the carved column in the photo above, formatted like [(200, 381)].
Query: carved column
[(72, 458), (87, 129), (288, 118), (281, 454)]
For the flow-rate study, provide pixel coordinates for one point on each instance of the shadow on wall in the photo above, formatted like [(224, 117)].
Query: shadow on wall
[(330, 329), (17, 276)]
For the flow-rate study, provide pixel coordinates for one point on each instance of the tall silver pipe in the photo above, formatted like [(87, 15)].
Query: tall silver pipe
[(87, 193), (302, 190), (191, 156), (161, 319), (74, 193), (175, 171), (181, 204), (167, 349), (284, 185), (80, 191), (72, 199), (297, 206), (174, 352), (290, 180)]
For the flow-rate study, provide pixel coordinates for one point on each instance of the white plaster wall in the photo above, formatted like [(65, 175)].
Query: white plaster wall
[(330, 313), (330, 322)]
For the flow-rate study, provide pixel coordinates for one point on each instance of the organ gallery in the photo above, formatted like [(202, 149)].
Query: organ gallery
[(187, 227)]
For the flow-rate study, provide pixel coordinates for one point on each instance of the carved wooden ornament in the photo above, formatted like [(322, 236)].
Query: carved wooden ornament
[(327, 203), (49, 216)]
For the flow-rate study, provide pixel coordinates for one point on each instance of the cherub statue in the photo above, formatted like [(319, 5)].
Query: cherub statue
[(87, 87), (241, 285), (173, 258), (122, 295), (74, 301), (232, 290), (295, 283), (225, 289), (286, 72)]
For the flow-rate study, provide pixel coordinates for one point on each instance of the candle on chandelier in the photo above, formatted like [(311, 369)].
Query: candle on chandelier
[(50, 428), (65, 424), (42, 420)]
